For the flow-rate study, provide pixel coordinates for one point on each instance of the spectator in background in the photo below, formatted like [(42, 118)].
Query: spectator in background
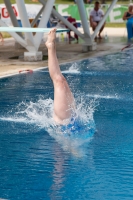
[(103, 2), (1, 37), (128, 15), (95, 17), (72, 21), (89, 1), (53, 19)]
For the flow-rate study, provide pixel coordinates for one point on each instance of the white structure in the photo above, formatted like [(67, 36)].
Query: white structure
[(32, 42)]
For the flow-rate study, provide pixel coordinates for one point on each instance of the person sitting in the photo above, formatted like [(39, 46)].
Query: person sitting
[(88, 1), (53, 19), (1, 37), (128, 15), (74, 23), (95, 17)]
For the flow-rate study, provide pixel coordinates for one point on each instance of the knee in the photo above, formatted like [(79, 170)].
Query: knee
[(59, 79), (94, 24), (94, 27)]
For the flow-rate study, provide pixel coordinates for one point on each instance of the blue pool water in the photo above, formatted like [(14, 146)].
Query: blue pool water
[(38, 162)]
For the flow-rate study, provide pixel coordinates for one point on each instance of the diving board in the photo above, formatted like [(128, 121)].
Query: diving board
[(24, 29)]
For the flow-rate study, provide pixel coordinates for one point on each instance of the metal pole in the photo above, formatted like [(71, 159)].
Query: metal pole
[(65, 21), (36, 18), (26, 23), (83, 17), (44, 20), (12, 15), (103, 19), (15, 35)]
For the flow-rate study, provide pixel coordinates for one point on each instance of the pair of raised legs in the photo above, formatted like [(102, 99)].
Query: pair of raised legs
[(64, 104)]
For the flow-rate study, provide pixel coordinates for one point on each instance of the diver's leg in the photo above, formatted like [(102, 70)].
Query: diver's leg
[(63, 97)]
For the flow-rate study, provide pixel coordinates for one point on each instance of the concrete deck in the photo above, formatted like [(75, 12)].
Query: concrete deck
[(10, 64)]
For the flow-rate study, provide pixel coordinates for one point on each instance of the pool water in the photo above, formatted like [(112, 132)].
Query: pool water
[(39, 162)]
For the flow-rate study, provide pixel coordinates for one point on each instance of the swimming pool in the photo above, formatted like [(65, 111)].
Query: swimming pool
[(37, 163)]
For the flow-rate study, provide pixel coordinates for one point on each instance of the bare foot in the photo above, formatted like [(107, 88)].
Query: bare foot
[(50, 43)]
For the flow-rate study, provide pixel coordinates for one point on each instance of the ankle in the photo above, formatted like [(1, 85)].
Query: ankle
[(50, 45)]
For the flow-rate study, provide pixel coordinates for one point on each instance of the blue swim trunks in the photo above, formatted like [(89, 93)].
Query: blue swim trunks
[(78, 128)]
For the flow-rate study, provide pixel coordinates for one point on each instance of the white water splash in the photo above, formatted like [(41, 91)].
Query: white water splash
[(98, 96), (41, 111), (40, 114), (74, 69)]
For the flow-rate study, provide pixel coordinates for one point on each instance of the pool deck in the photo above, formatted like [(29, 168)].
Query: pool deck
[(9, 65)]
